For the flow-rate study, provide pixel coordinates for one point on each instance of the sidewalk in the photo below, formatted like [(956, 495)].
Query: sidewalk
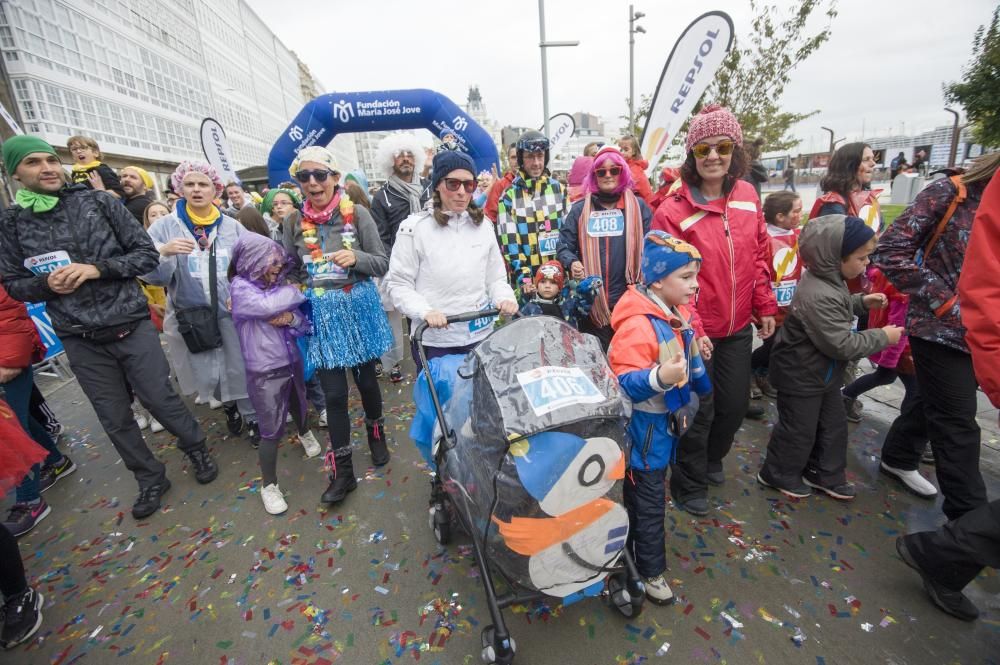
[(213, 579)]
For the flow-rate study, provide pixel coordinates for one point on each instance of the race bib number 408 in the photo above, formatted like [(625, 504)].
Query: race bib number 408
[(605, 223), (551, 388)]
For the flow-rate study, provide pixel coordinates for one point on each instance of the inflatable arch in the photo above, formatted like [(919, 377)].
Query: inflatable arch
[(381, 110)]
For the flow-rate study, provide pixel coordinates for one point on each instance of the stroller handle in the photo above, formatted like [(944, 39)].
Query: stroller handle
[(418, 332)]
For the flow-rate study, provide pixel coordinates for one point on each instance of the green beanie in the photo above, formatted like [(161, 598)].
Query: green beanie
[(16, 148), (268, 203)]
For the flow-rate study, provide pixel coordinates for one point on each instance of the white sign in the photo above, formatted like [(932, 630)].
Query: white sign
[(690, 67), (550, 388), (561, 128), (216, 148), (10, 120)]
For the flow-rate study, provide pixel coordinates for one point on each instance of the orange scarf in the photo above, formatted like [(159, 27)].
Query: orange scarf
[(590, 248)]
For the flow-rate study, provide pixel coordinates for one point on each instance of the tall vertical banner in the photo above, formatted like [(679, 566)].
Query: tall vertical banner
[(215, 145), (690, 67), (561, 129)]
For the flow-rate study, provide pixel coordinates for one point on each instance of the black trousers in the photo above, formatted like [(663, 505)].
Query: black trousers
[(334, 382), (810, 437), (957, 552), (944, 411), (644, 498), (12, 580), (720, 415), (760, 360), (102, 370), (602, 333)]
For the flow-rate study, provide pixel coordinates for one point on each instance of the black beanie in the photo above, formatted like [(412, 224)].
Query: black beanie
[(856, 234), (448, 161)]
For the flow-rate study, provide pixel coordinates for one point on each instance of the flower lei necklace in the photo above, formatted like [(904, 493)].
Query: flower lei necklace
[(311, 219)]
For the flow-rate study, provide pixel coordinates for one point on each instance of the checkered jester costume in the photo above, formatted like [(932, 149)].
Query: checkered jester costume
[(529, 216)]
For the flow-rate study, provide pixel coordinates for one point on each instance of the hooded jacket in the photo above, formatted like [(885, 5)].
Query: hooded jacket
[(645, 336), (731, 235), (90, 227), (817, 340), (254, 303), (641, 186), (20, 344)]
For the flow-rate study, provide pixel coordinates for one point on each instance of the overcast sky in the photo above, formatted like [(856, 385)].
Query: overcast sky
[(882, 68)]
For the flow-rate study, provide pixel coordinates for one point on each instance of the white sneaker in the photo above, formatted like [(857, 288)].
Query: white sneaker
[(154, 425), (274, 501), (140, 416), (214, 404), (322, 418), (912, 480), (658, 591), (309, 442)]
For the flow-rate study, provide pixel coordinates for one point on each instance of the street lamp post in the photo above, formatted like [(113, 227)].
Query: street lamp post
[(956, 131), (633, 16), (833, 144), (542, 45)]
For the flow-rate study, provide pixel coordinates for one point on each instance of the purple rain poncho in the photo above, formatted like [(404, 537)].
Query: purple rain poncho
[(271, 354)]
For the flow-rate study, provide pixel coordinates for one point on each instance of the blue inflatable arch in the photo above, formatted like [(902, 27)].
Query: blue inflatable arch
[(381, 110)]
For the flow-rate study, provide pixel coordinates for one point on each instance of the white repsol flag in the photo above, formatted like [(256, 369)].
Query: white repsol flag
[(216, 148), (690, 67)]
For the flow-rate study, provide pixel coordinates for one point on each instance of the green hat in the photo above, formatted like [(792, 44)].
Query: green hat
[(16, 148), (268, 203)]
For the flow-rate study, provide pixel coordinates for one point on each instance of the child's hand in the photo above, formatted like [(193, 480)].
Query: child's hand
[(576, 270), (706, 347), (875, 301), (893, 333), (283, 319), (673, 371)]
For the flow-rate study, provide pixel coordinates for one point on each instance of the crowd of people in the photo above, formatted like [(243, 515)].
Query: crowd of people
[(269, 301)]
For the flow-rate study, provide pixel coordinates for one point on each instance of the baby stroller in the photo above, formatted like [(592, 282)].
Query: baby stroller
[(529, 455)]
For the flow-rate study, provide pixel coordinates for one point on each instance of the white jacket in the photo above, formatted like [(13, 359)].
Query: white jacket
[(452, 269)]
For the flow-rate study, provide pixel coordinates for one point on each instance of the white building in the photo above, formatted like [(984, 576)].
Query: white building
[(140, 75)]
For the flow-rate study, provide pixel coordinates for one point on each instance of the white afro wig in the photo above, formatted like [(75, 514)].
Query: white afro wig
[(392, 145)]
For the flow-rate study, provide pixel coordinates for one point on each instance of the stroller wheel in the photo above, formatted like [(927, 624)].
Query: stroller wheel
[(440, 524), (495, 653), (627, 603)]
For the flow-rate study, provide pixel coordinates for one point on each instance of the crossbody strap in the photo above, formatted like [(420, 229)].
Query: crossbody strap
[(955, 202), (213, 287)]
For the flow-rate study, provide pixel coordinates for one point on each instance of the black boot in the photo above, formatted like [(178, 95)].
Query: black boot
[(234, 421), (148, 501), (205, 468), (342, 479), (376, 441)]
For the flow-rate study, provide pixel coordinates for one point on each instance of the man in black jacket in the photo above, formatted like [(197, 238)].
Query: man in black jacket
[(404, 193), (80, 251)]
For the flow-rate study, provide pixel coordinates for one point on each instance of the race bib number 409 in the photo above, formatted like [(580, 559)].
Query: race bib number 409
[(551, 388)]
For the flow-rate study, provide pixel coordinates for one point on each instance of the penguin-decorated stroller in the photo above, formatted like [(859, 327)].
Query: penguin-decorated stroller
[(529, 450)]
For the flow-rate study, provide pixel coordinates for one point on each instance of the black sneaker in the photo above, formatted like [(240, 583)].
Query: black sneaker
[(954, 603), (697, 507), (22, 616), (396, 374), (234, 421), (756, 412), (205, 468), (843, 491), (854, 408), (800, 492), (253, 433), (53, 473), (23, 517), (148, 501)]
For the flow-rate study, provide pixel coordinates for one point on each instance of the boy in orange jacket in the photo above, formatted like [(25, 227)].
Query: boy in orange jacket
[(654, 355)]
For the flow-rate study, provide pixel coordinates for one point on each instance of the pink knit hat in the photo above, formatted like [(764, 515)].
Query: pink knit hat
[(580, 170), (713, 120)]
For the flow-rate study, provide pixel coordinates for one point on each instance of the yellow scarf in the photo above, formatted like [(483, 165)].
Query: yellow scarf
[(207, 220), (77, 168)]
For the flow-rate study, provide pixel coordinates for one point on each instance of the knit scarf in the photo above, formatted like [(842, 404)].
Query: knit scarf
[(590, 248), (198, 226), (208, 220), (312, 218), (34, 201), (411, 190)]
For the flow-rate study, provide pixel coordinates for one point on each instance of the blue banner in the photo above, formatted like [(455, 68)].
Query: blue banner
[(382, 110), (36, 310)]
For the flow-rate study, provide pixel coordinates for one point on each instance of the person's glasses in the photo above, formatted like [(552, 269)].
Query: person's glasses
[(202, 237), (723, 148), (604, 173), (453, 184), (318, 174)]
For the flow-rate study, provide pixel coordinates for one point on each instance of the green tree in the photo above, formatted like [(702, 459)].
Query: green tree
[(979, 90), (752, 78)]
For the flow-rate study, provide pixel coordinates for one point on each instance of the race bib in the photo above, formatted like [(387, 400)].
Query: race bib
[(484, 322), (551, 388), (605, 223), (547, 243), (783, 292), (327, 269), (43, 264), (198, 263)]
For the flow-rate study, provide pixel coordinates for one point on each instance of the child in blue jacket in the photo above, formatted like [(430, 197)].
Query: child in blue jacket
[(655, 357)]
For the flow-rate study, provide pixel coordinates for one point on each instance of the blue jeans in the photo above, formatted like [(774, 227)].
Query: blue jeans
[(17, 392)]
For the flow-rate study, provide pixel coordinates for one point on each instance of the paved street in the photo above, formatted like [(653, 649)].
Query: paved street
[(214, 579)]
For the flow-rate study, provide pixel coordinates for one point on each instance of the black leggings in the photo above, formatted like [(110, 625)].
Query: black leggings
[(267, 454), (760, 359), (334, 382), (882, 376), (12, 580)]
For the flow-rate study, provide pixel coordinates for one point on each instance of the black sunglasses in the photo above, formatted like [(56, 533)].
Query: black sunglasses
[(319, 174), (453, 185), (603, 173)]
